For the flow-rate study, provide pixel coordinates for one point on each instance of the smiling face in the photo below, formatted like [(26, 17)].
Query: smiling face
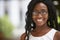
[(40, 14)]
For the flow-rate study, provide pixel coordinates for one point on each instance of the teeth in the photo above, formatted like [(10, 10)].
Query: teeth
[(39, 19)]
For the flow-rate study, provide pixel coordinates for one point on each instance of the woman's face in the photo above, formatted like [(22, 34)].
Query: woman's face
[(40, 14)]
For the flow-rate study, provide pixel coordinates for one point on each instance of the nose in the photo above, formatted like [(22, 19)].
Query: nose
[(39, 16)]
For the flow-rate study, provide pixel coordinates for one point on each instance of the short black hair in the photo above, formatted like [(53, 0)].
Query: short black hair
[(52, 17)]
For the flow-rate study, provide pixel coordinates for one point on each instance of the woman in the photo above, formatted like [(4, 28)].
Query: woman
[(41, 21)]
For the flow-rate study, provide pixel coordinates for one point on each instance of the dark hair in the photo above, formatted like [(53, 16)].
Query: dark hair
[(52, 18)]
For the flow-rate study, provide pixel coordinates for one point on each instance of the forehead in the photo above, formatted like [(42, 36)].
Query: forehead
[(40, 6)]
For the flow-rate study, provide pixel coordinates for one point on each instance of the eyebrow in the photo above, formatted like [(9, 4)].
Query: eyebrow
[(40, 10)]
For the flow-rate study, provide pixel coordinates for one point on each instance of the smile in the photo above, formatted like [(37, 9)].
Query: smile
[(39, 20)]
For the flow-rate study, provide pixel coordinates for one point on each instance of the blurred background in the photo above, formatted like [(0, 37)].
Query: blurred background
[(12, 17)]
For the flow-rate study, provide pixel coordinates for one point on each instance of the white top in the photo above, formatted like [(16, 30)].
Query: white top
[(48, 36)]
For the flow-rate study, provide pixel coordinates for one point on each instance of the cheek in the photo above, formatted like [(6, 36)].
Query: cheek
[(46, 17), (33, 18)]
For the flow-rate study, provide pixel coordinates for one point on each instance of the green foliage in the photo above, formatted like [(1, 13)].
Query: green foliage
[(58, 19), (5, 26)]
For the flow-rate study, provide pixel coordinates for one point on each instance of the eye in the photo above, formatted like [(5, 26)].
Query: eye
[(34, 12), (43, 11)]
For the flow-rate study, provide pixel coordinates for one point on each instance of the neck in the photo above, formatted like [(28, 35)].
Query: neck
[(41, 28)]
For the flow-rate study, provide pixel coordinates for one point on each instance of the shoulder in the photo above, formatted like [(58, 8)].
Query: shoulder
[(22, 37), (57, 35)]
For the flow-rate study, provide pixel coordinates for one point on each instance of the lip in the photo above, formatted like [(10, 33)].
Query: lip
[(39, 20)]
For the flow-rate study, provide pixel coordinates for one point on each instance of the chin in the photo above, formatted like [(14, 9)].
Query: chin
[(40, 24)]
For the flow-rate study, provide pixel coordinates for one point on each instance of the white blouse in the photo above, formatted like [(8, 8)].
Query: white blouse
[(48, 36)]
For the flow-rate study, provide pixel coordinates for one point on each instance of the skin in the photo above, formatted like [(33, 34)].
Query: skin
[(41, 26)]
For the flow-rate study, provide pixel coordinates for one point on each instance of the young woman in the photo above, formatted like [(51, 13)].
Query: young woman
[(41, 21)]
